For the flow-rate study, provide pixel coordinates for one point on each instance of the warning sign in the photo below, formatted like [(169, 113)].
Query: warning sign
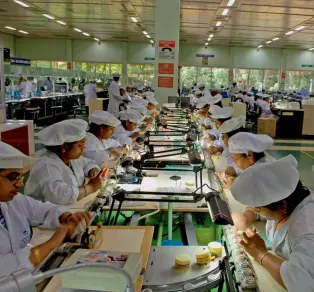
[(165, 82), (165, 68)]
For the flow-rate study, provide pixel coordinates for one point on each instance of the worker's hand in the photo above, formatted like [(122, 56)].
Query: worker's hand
[(96, 182), (214, 150), (135, 135), (78, 217), (229, 181), (253, 243), (154, 114), (212, 137), (241, 222), (230, 171), (93, 172)]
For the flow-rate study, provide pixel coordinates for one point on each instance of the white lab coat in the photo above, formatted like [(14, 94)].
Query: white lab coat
[(21, 213), (114, 98), (123, 136), (98, 150), (90, 91), (232, 90), (52, 180), (294, 241)]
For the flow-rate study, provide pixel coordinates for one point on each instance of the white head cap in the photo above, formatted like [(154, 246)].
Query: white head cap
[(223, 113), (242, 143), (130, 115), (214, 109), (139, 102), (250, 93), (99, 117), (151, 99), (116, 75), (141, 109), (232, 125), (267, 183), (214, 133), (204, 100), (201, 85), (11, 158), (259, 94), (215, 99), (67, 131), (122, 87)]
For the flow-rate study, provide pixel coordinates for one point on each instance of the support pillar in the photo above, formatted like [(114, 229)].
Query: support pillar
[(167, 37), (283, 70)]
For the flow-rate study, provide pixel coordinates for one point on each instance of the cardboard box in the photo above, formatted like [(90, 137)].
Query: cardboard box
[(267, 126)]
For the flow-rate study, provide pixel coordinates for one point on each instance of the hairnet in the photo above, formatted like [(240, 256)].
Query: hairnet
[(116, 75), (130, 115), (99, 117), (232, 125), (11, 158), (267, 183), (151, 99), (245, 142), (67, 131), (223, 113)]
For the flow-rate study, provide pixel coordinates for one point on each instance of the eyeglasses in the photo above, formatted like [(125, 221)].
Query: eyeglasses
[(13, 178)]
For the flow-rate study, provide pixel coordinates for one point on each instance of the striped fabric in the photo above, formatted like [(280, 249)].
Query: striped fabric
[(2, 219)]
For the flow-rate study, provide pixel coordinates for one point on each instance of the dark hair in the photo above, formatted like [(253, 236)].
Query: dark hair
[(123, 123), (299, 194), (258, 155), (219, 103), (242, 129), (223, 120), (58, 148), (94, 128)]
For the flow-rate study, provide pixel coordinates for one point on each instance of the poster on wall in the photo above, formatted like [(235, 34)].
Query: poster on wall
[(165, 68), (204, 60), (165, 82), (166, 50)]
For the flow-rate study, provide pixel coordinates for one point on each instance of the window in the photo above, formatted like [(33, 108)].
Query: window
[(141, 74), (44, 64), (259, 78), (212, 77), (60, 65), (104, 68), (298, 80)]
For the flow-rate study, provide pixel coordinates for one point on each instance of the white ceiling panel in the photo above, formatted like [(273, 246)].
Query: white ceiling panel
[(248, 22)]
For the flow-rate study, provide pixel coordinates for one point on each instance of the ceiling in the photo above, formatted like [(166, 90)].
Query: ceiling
[(248, 22)]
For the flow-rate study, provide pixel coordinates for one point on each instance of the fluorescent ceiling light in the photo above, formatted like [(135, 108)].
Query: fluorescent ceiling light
[(152, 41), (260, 46), (9, 27), (230, 3), (209, 39), (48, 16), (225, 12), (311, 49), (300, 27), (22, 31), (206, 44), (144, 32), (268, 42), (85, 33), (134, 19), (276, 39), (21, 3), (96, 39), (61, 22), (148, 36), (211, 35), (289, 32), (78, 30), (218, 23)]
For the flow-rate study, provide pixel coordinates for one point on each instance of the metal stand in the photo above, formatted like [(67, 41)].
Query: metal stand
[(226, 276)]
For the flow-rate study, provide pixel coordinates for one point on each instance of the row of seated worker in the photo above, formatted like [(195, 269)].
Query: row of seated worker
[(271, 190), (74, 151)]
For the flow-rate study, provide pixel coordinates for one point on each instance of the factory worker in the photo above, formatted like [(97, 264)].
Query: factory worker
[(126, 99), (264, 104), (202, 90), (151, 106), (273, 190), (115, 98), (203, 109), (58, 175), (248, 149), (90, 91), (127, 132), (141, 106), (249, 98), (19, 213), (99, 143), (214, 105), (220, 116), (232, 89), (129, 91)]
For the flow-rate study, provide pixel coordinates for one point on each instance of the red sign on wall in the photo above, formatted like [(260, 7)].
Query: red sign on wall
[(69, 66), (167, 44), (283, 75), (165, 82), (165, 68)]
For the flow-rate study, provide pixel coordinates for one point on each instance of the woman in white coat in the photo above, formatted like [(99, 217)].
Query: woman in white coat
[(115, 98), (19, 213), (274, 191), (58, 175), (128, 131), (99, 143)]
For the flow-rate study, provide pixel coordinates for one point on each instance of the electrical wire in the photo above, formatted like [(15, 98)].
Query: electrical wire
[(145, 216)]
